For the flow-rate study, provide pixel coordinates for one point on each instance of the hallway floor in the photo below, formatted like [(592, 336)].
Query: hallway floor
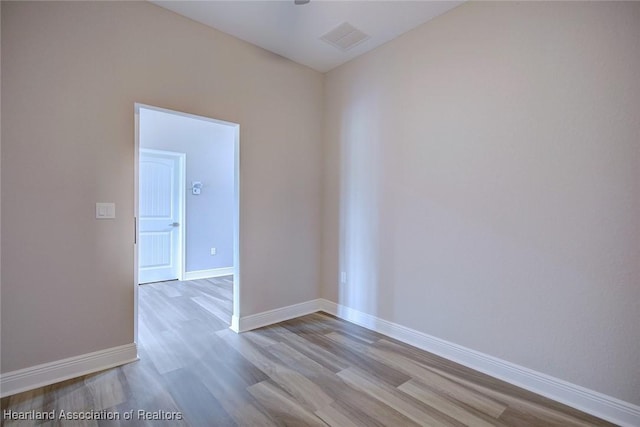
[(316, 370)]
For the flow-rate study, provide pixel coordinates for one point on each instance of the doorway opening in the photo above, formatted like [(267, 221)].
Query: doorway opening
[(186, 204)]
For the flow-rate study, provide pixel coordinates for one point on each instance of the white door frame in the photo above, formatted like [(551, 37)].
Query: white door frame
[(182, 217), (236, 211)]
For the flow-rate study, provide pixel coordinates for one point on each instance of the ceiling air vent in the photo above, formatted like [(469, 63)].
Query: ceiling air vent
[(344, 36)]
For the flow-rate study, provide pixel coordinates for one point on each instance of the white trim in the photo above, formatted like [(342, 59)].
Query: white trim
[(237, 278), (583, 399), (254, 321), (60, 370), (207, 274), (235, 324), (136, 222)]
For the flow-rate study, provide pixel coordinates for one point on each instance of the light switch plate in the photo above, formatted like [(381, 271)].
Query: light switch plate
[(105, 210)]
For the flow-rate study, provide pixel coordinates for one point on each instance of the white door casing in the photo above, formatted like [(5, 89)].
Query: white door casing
[(160, 215), (237, 280)]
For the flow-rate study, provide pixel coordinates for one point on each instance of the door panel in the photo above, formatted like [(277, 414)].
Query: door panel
[(159, 213)]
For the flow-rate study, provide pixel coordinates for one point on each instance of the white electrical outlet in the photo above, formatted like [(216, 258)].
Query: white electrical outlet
[(213, 251), (343, 277)]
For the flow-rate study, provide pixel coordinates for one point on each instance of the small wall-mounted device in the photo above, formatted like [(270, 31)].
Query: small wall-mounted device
[(196, 187), (105, 210)]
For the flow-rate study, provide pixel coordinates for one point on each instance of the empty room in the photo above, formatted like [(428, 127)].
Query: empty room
[(428, 213)]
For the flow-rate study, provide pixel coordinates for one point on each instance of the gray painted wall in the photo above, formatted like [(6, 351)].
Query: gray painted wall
[(483, 185), (209, 149)]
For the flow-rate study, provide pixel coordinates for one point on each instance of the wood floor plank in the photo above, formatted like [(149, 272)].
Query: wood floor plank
[(198, 314), (147, 391), (230, 390), (516, 418), (213, 287), (32, 400), (309, 349), (352, 357), (260, 338), (489, 406), (335, 418), (106, 389), (212, 305), (525, 404), (160, 347), (334, 324), (73, 397), (359, 380), (170, 289), (455, 370), (283, 407), (300, 387), (150, 315), (458, 412), (199, 405), (166, 308), (361, 407)]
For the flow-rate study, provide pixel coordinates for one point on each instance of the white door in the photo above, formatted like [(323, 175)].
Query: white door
[(160, 216)]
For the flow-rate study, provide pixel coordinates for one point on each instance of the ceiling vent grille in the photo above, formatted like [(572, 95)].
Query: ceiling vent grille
[(345, 36)]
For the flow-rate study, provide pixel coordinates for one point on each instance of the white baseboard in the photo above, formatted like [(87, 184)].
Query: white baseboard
[(254, 321), (235, 324), (207, 274), (583, 399), (60, 370)]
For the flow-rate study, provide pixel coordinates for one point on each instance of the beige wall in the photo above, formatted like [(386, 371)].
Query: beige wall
[(71, 73), (483, 186)]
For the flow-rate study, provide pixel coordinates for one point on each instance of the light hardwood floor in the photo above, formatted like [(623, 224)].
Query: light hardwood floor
[(316, 370)]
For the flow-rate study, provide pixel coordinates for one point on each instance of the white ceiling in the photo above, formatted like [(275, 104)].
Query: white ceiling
[(294, 31)]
